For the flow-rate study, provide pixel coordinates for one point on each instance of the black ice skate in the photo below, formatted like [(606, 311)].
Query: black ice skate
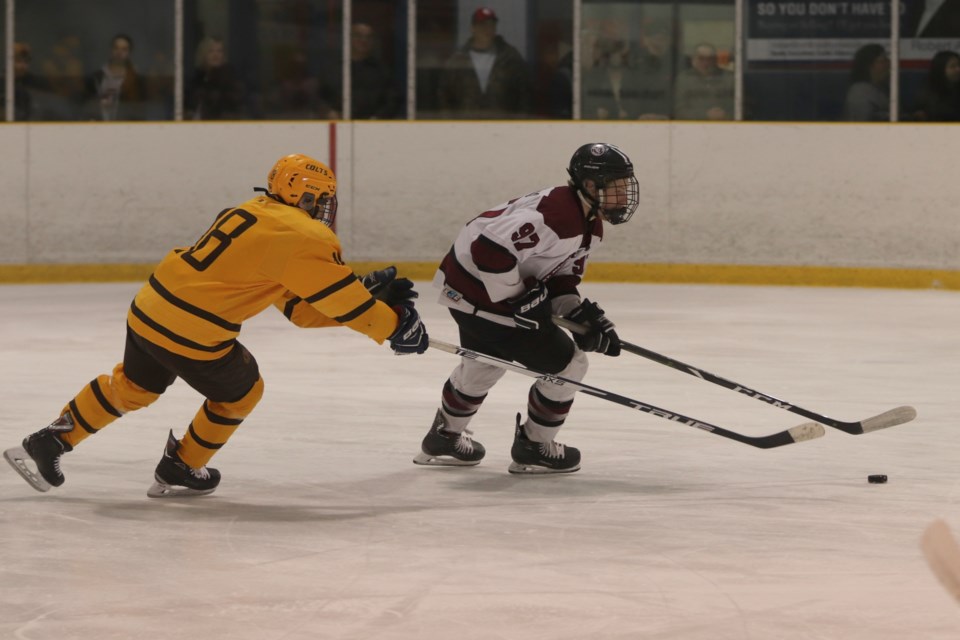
[(446, 448), (174, 478), (541, 457), (44, 448)]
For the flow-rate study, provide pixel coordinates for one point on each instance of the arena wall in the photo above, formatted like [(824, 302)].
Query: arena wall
[(764, 202)]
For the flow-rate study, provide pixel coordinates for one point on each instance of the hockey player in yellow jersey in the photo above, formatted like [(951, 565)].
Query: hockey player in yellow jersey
[(276, 249)]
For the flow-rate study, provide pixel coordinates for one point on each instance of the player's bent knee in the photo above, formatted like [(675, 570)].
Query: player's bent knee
[(241, 408), (126, 395), (576, 369)]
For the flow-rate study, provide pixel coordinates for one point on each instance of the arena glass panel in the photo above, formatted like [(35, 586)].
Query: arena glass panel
[(817, 61), (255, 59), (457, 44), (628, 60), (657, 60), (929, 65), (378, 60), (97, 60)]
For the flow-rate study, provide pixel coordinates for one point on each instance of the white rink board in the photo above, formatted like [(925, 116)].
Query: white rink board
[(323, 528), (785, 194)]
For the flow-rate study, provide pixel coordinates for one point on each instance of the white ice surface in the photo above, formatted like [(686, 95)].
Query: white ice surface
[(323, 528)]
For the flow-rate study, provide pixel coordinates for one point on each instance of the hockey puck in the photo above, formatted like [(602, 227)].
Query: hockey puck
[(877, 479)]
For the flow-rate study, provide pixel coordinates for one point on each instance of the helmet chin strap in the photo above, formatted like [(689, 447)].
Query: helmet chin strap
[(591, 208)]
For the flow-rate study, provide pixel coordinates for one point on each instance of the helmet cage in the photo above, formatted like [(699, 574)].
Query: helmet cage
[(604, 164), (326, 209), (307, 184), (619, 215)]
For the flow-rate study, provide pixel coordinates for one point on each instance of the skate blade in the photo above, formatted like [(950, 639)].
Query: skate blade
[(162, 490), (442, 461), (536, 470), (17, 457)]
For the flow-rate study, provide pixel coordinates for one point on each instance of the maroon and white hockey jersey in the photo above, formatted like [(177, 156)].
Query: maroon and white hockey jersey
[(543, 236)]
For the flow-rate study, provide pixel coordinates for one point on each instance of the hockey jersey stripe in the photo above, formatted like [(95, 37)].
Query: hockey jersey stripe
[(191, 309), (102, 399), (290, 306), (178, 339), (491, 257), (79, 418), (357, 312), (200, 441), (218, 419), (469, 285), (336, 286)]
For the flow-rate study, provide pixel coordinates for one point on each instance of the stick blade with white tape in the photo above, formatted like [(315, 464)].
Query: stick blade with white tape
[(891, 418), (943, 556)]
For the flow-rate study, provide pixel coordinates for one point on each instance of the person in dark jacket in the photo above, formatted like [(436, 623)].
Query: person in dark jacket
[(940, 99), (487, 77), (374, 94), (116, 91), (214, 92)]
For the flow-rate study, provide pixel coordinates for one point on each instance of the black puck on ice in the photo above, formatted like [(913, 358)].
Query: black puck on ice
[(877, 479)]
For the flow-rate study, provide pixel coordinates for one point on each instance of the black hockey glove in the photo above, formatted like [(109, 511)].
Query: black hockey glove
[(531, 309), (386, 286), (410, 335), (600, 336)]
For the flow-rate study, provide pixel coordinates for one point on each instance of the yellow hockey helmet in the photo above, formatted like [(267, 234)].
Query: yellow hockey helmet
[(303, 182)]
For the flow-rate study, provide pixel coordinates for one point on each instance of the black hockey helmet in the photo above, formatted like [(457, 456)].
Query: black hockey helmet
[(605, 164)]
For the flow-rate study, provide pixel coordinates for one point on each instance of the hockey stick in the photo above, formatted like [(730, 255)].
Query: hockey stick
[(942, 555), (886, 419), (806, 431)]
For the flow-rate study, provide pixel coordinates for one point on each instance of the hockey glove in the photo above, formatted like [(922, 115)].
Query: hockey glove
[(531, 310), (600, 336), (410, 335), (386, 286)]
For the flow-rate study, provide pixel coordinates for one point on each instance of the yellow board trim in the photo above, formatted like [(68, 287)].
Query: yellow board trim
[(598, 272)]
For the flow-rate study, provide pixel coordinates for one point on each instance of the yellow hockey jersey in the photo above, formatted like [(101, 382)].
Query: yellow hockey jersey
[(258, 254)]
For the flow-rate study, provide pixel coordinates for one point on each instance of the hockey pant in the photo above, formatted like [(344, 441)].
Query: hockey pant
[(232, 386), (549, 351)]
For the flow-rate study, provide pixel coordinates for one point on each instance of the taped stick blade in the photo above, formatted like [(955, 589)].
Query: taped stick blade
[(890, 418), (806, 431)]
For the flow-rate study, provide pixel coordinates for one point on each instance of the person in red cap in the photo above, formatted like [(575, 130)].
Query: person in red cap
[(486, 77)]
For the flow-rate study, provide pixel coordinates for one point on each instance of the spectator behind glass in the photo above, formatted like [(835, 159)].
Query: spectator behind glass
[(940, 99), (374, 95), (63, 70), (868, 97), (610, 88), (655, 73), (561, 85), (116, 91), (295, 94), (486, 78), (29, 90), (214, 92), (159, 85), (705, 91)]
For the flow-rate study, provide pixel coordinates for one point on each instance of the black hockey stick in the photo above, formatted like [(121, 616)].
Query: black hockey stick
[(886, 419), (806, 431)]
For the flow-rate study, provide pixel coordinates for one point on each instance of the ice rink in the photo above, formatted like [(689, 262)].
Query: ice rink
[(323, 528)]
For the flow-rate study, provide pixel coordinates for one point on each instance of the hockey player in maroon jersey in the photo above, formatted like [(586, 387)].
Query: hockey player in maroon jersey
[(509, 269)]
